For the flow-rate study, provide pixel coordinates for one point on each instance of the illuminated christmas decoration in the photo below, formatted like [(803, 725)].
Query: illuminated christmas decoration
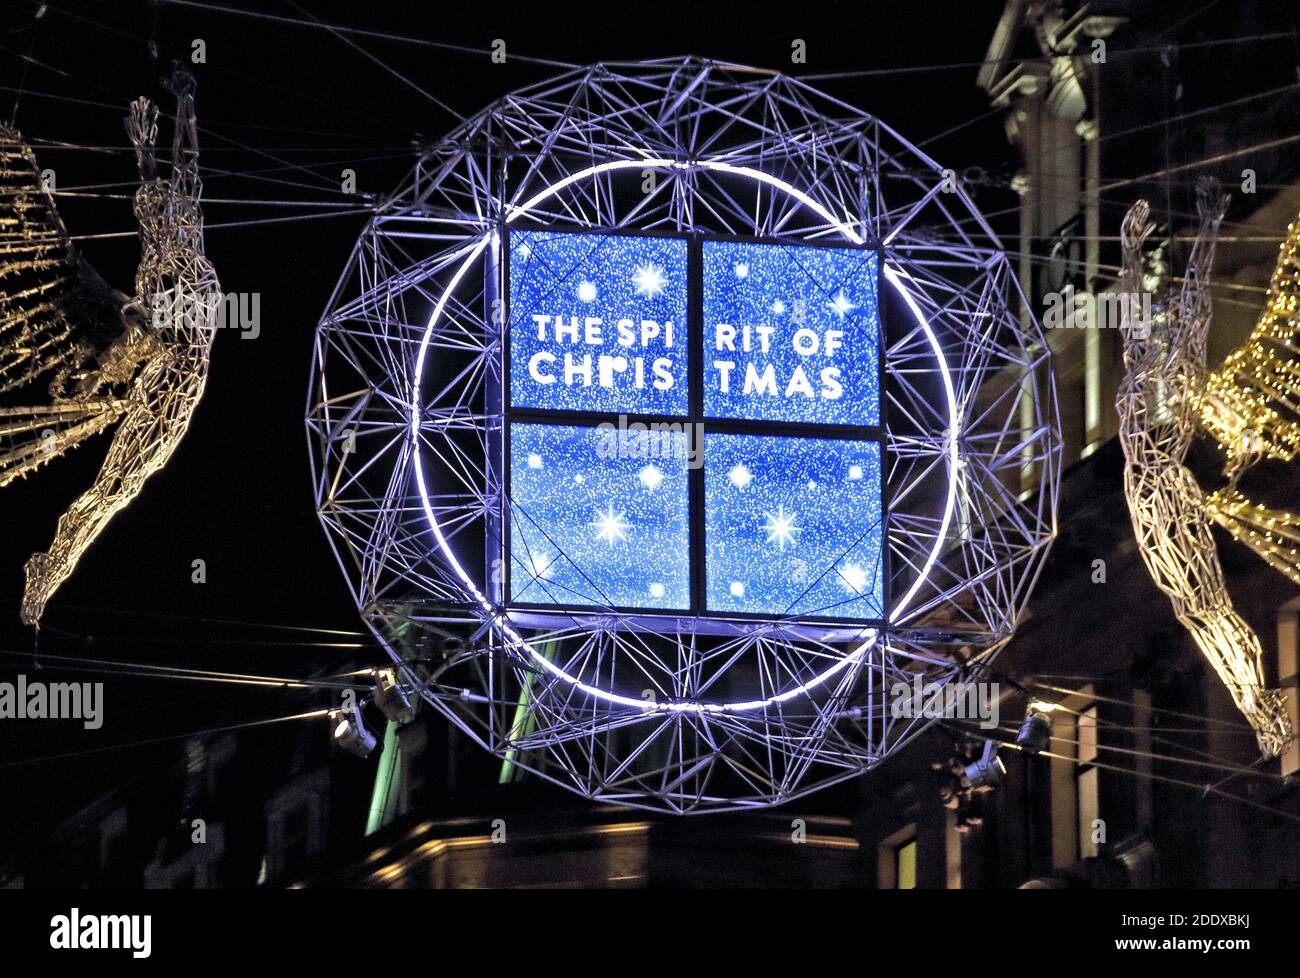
[(1162, 401), (1252, 408), (1274, 534), (658, 384), (138, 362), (1252, 402)]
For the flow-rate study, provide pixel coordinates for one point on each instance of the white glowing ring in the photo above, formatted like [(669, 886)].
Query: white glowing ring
[(541, 661)]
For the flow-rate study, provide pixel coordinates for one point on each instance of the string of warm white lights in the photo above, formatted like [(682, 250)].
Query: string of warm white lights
[(1251, 405), (1274, 534)]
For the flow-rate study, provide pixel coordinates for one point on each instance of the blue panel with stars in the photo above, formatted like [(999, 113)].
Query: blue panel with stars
[(598, 322), (791, 333), (597, 518), (793, 526)]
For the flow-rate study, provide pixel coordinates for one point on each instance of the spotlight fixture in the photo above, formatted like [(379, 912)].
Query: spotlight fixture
[(391, 698), (987, 772), (350, 733), (1036, 730)]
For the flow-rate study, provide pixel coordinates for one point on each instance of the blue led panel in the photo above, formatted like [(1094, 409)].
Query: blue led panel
[(596, 519), (598, 322), (791, 333), (793, 526)]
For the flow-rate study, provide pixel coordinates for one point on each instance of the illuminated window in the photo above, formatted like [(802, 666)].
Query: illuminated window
[(693, 425), (594, 526), (896, 860), (1087, 781), (905, 866), (1288, 657), (793, 551), (598, 322), (790, 333)]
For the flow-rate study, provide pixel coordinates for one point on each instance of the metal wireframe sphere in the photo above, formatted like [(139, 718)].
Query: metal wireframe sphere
[(408, 422)]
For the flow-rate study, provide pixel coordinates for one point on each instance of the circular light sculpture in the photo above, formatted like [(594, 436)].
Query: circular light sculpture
[(722, 619)]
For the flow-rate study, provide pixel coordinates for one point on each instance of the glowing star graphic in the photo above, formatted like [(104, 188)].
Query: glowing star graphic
[(853, 577), (651, 476), (656, 589), (587, 291), (742, 270), (855, 471), (778, 307), (780, 527), (649, 280), (740, 476), (534, 460), (523, 251), (841, 304), (610, 526), (737, 589), (540, 566)]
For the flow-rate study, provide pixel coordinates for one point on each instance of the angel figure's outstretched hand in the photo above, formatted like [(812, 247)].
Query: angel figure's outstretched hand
[(1134, 231)]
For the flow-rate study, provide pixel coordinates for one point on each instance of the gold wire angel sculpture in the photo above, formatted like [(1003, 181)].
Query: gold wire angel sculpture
[(104, 357), (1249, 406)]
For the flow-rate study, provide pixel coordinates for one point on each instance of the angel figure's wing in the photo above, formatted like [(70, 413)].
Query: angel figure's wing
[(1252, 402), (60, 325), (1252, 409)]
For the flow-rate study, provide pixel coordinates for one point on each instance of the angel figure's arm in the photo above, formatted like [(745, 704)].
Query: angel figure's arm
[(1195, 305), (1134, 231)]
